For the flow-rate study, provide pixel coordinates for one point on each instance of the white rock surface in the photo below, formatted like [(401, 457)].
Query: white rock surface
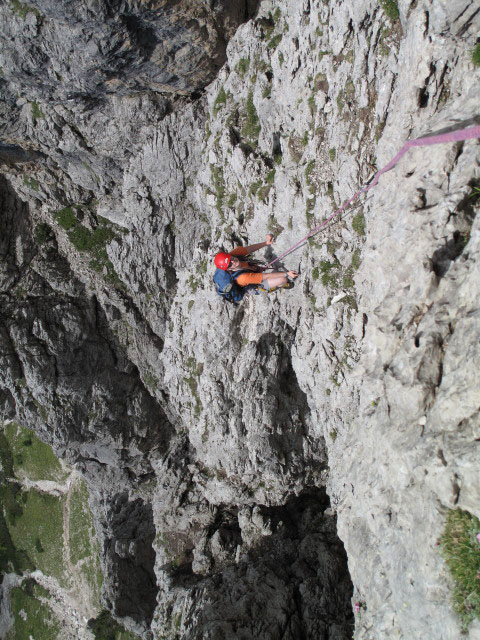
[(208, 431)]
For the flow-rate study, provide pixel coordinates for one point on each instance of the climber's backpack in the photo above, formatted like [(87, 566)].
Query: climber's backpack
[(227, 287)]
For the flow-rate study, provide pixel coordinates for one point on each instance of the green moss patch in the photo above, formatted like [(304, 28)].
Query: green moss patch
[(330, 273), (390, 8), (32, 618), (274, 42), (358, 224), (38, 531), (31, 183), (461, 549), (31, 458), (37, 113), (476, 55)]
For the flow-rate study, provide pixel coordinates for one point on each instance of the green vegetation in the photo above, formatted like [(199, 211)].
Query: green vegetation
[(32, 618), (242, 66), (22, 9), (333, 434), (358, 224), (270, 177), (281, 59), (192, 383), (275, 41), (330, 274), (310, 216), (84, 239), (356, 261), (309, 169), (390, 8), (104, 627), (232, 198), (254, 187), (276, 15), (32, 529), (31, 183), (332, 154), (220, 101), (38, 530), (66, 218), (263, 192), (348, 281), (193, 283), (251, 129), (476, 55), (461, 550), (11, 559), (312, 105), (42, 233), (340, 101), (267, 91), (31, 457), (90, 241), (83, 543), (315, 273), (37, 113), (150, 380), (218, 183)]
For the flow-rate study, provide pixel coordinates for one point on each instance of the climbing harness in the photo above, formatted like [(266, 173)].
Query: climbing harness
[(452, 136)]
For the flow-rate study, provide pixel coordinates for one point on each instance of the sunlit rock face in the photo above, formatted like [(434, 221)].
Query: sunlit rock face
[(253, 471)]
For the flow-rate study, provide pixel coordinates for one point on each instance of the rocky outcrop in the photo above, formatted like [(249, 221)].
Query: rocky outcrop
[(209, 433)]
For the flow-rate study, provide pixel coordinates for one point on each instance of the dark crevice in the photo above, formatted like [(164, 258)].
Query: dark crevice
[(453, 248), (129, 558), (304, 561)]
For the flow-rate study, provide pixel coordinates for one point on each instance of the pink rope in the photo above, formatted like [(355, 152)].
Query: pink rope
[(452, 136)]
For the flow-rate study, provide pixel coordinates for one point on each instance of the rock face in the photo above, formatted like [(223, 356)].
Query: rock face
[(223, 446)]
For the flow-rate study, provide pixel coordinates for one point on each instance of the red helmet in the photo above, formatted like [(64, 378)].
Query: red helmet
[(222, 260)]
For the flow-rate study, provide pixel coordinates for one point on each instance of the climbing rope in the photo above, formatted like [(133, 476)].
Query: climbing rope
[(452, 136)]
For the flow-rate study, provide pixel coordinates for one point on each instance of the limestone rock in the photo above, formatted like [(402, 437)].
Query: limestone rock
[(211, 435)]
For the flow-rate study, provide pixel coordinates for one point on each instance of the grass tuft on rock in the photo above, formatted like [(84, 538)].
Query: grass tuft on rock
[(220, 101), (251, 128), (476, 55), (390, 9), (242, 66), (358, 224), (461, 550)]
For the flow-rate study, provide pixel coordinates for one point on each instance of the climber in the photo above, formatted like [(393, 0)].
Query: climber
[(245, 274)]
